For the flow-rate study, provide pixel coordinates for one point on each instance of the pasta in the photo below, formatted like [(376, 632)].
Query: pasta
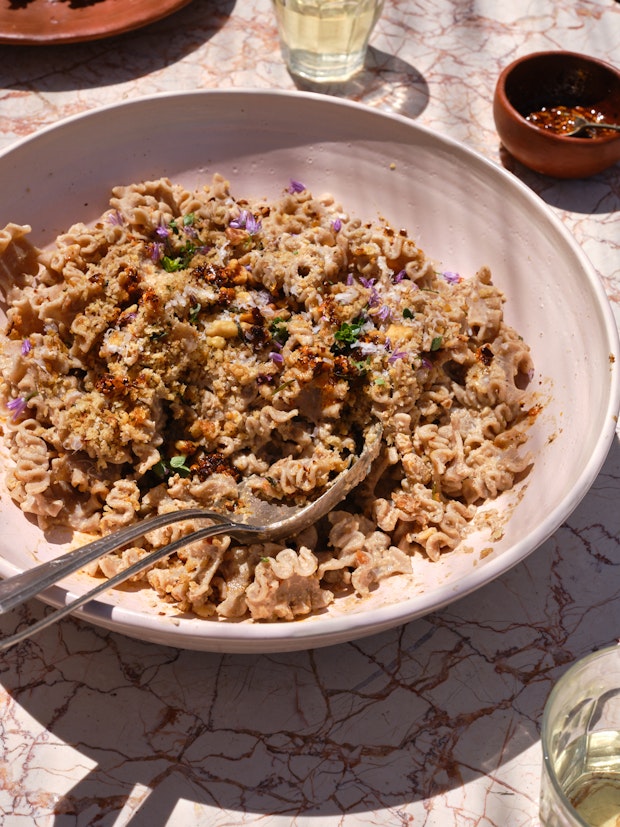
[(189, 342)]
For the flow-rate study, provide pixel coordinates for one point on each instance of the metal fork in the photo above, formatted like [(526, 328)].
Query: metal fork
[(262, 521)]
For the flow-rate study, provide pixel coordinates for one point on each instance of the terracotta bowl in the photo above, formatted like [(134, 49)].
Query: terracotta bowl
[(549, 79)]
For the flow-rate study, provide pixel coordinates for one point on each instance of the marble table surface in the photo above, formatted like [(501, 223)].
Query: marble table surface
[(435, 723)]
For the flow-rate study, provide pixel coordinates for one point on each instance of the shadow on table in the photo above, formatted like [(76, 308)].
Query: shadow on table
[(408, 90), (117, 59), (379, 723), (597, 195)]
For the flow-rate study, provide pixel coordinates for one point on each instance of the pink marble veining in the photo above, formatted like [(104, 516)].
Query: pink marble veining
[(436, 723)]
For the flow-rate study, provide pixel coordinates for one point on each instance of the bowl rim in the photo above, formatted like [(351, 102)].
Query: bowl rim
[(553, 137)]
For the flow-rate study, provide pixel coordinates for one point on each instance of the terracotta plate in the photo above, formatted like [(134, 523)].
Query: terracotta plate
[(31, 22)]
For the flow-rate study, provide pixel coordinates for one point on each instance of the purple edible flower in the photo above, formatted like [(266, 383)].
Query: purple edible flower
[(246, 221), (384, 313), (264, 379), (157, 250), (116, 218), (398, 277), (253, 225), (127, 318), (162, 231), (336, 225), (17, 406), (26, 347), (349, 279), (296, 186), (426, 363), (450, 277), (374, 298), (276, 357), (398, 354), (239, 222)]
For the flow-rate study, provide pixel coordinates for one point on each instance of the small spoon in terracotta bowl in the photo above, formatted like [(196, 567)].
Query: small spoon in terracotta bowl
[(581, 124)]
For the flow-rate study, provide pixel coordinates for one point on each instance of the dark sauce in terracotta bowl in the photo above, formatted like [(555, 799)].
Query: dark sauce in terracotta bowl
[(536, 98)]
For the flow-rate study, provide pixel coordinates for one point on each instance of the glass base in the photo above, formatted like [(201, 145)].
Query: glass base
[(324, 68)]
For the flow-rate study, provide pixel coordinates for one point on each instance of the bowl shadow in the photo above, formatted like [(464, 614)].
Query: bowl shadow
[(597, 195)]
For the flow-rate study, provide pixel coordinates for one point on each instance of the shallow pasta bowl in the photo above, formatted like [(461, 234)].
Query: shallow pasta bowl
[(462, 210)]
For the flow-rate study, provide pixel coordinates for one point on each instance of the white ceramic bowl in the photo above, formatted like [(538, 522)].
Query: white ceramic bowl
[(463, 210)]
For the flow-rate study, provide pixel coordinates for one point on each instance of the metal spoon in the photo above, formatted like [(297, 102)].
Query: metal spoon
[(582, 124), (261, 521)]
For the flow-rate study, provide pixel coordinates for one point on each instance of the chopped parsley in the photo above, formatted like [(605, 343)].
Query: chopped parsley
[(186, 221), (436, 343), (348, 333), (174, 465), (279, 331), (361, 365), (163, 251), (177, 464), (181, 261)]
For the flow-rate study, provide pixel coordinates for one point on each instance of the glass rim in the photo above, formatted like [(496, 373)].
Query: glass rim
[(544, 732)]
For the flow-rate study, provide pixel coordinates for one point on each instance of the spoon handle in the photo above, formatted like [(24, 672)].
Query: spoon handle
[(614, 126), (583, 127)]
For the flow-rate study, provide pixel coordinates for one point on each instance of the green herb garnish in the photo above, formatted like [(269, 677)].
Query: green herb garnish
[(171, 265), (177, 464), (282, 386), (348, 333), (436, 343), (160, 468), (279, 331), (181, 261), (361, 365)]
